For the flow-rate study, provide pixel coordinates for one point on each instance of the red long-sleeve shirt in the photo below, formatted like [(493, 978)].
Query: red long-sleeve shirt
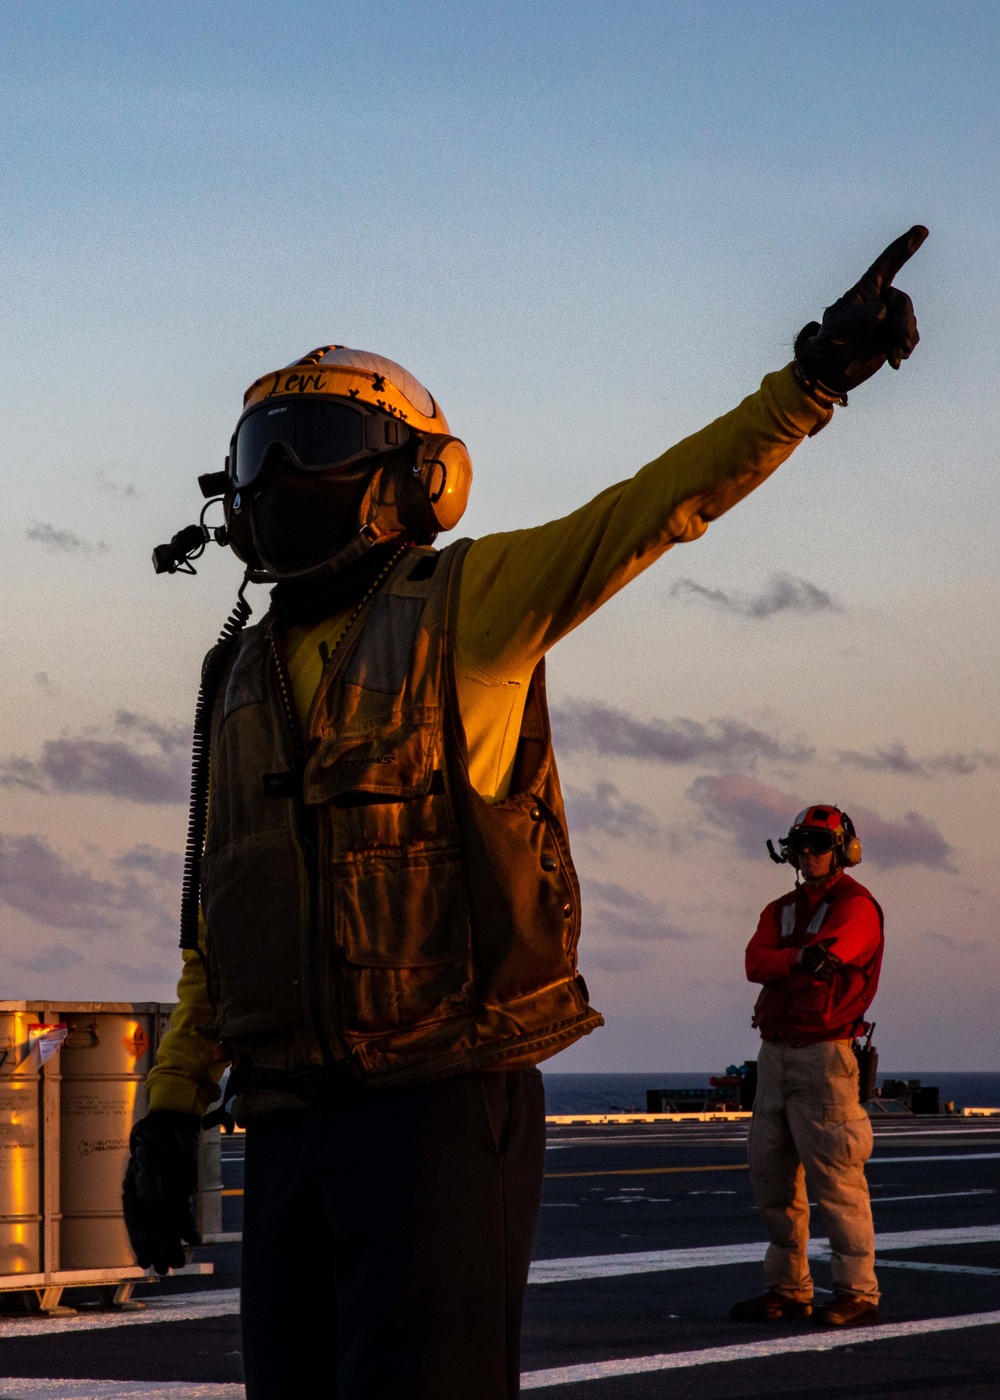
[(794, 1005)]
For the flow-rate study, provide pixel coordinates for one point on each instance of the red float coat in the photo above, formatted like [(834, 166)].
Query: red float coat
[(795, 1006)]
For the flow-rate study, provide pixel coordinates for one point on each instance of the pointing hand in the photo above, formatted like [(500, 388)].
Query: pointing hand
[(871, 323)]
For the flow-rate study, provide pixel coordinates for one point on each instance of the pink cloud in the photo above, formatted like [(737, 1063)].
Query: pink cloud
[(752, 811)]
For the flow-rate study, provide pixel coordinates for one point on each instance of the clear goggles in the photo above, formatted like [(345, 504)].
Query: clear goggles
[(811, 838), (319, 435)]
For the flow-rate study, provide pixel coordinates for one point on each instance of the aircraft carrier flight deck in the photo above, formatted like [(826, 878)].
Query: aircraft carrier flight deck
[(648, 1234)]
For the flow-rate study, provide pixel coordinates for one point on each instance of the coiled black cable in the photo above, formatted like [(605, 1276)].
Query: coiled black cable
[(201, 743)]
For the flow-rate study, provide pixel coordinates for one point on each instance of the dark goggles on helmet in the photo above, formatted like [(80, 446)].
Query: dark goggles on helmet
[(318, 434), (811, 838)]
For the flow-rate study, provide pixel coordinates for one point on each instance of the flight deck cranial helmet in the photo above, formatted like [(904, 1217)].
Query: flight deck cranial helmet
[(343, 415), (819, 829)]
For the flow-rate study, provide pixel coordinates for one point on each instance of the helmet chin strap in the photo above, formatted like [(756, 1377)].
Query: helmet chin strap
[(347, 554), (380, 527)]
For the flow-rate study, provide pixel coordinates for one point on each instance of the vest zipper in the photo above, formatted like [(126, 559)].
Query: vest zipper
[(305, 821), (305, 825)]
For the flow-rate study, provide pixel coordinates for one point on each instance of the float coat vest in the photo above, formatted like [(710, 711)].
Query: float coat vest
[(804, 1008), (362, 901)]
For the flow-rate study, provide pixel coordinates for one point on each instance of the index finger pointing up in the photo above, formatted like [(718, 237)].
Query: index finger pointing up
[(888, 263)]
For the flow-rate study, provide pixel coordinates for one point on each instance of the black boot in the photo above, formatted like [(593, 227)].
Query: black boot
[(846, 1310), (771, 1306)]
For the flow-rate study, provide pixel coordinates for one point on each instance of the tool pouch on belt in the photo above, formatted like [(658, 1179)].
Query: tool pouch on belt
[(867, 1058)]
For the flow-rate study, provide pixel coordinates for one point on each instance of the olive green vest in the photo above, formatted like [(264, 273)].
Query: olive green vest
[(364, 904)]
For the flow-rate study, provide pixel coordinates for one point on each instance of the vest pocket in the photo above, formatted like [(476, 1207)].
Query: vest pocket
[(403, 928), (254, 914)]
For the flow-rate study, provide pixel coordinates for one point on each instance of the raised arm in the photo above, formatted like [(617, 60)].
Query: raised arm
[(524, 590), (521, 591)]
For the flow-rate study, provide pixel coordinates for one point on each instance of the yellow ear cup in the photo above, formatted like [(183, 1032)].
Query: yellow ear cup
[(445, 468), (852, 851), (424, 498)]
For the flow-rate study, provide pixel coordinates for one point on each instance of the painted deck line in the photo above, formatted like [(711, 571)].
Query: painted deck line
[(936, 1268), (719, 1256), (224, 1302), (177, 1307), (752, 1351), (12, 1388), (939, 1157), (643, 1171), (932, 1195), (743, 1166), (729, 1167)]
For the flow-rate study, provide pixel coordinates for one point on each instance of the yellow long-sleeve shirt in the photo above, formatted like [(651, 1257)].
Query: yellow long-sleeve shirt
[(519, 593)]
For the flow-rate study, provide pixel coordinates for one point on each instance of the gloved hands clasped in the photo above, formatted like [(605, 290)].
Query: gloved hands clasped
[(816, 960), (871, 323), (160, 1181)]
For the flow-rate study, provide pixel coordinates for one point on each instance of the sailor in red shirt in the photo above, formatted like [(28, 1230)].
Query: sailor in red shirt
[(817, 951)]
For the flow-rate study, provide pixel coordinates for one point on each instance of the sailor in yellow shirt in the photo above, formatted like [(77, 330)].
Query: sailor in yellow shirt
[(397, 1083)]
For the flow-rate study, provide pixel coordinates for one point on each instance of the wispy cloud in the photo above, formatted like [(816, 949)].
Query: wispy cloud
[(143, 974), (45, 684), (57, 541), (896, 758), (957, 945), (622, 913), (751, 812), (56, 958), (603, 809), (152, 860), (582, 726), (112, 485), (783, 593), (137, 759), (54, 890), (622, 958)]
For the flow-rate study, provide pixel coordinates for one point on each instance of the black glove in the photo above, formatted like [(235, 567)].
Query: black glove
[(161, 1178), (818, 961), (871, 323)]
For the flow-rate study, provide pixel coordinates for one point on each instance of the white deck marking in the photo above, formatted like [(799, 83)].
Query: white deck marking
[(716, 1256), (933, 1195), (224, 1302), (176, 1307), (940, 1157), (752, 1351), (942, 1132), (12, 1388), (936, 1268)]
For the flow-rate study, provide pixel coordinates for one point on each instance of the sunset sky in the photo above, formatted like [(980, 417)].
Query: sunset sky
[(589, 230)]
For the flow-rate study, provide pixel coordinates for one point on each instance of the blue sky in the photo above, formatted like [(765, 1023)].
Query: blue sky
[(589, 230)]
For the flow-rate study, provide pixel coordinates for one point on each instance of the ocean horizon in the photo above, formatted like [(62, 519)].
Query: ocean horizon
[(624, 1093)]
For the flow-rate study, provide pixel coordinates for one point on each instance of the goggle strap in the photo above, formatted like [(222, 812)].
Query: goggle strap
[(383, 433)]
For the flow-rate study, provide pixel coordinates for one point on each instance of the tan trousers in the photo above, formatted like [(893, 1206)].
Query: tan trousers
[(808, 1129)]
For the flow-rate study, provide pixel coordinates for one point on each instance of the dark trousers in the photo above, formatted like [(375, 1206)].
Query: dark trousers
[(387, 1239)]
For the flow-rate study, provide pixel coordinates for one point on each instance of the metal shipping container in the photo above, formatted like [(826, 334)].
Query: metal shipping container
[(20, 1147), (71, 1087), (103, 1066)]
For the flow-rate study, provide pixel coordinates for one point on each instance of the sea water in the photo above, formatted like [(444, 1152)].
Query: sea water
[(603, 1093)]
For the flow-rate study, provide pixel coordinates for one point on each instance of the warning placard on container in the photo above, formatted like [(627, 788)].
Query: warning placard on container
[(137, 1043), (48, 1038)]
